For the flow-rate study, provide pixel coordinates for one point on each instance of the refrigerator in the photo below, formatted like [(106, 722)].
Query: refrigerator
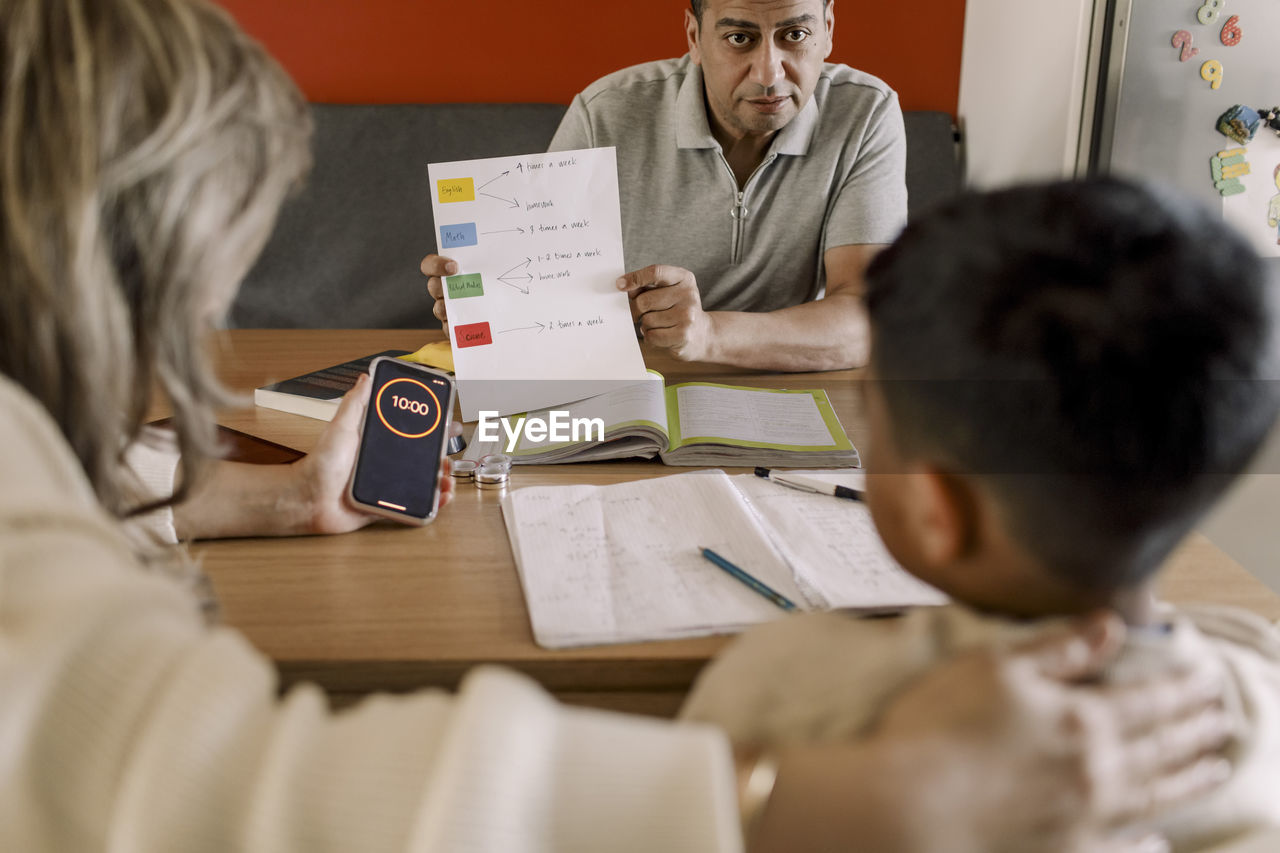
[(1166, 79)]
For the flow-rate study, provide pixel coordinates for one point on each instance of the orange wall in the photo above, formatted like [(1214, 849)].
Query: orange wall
[(405, 51)]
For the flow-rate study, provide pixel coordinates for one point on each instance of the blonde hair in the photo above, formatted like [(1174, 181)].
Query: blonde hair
[(145, 149)]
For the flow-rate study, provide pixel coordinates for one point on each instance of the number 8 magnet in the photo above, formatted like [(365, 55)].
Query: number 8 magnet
[(1209, 12)]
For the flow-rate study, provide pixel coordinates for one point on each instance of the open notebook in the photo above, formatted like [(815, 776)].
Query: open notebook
[(694, 423), (620, 563)]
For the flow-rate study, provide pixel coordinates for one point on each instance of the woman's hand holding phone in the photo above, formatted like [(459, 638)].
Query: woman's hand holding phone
[(308, 496), (401, 471)]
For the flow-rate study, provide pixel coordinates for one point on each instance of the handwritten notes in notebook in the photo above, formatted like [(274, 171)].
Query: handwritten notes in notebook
[(833, 545), (608, 564), (605, 564)]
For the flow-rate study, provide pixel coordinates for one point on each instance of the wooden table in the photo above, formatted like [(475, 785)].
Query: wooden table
[(396, 608)]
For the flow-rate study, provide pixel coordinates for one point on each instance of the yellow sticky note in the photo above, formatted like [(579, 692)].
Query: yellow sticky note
[(435, 354), (457, 189)]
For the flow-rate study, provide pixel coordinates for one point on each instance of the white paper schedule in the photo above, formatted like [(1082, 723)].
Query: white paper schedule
[(538, 242)]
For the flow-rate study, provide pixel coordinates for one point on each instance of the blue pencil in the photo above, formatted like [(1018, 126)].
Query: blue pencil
[(759, 586)]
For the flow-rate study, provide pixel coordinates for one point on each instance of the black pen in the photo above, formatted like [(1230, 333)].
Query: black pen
[(809, 484)]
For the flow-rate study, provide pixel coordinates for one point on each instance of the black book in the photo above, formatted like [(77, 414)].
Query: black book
[(317, 394)]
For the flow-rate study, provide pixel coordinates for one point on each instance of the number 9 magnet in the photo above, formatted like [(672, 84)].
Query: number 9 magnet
[(1211, 73)]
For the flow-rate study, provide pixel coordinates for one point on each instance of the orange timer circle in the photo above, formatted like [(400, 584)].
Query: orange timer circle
[(377, 407)]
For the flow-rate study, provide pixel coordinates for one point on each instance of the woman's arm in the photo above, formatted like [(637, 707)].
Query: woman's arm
[(304, 497)]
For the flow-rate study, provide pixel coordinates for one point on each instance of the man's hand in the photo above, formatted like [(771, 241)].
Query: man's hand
[(435, 268), (828, 334), (666, 303)]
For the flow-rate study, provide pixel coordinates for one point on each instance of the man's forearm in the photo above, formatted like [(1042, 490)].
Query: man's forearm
[(830, 334)]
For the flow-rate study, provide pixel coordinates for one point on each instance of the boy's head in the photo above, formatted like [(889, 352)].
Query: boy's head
[(1067, 376)]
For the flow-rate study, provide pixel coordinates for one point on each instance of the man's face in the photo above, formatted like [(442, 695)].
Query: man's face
[(760, 60)]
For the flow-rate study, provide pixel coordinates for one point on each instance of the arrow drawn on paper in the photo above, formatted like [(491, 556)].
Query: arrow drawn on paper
[(486, 183), (510, 202), (510, 277), (541, 328), (507, 231)]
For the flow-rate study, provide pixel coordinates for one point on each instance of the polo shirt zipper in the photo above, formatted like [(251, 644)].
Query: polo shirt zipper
[(740, 212)]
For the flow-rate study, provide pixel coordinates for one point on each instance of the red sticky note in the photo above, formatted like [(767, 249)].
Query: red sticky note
[(474, 335)]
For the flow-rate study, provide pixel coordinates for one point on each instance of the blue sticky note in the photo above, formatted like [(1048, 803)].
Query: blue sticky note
[(455, 236)]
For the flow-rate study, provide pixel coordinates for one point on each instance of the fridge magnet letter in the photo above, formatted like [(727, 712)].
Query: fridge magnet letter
[(1239, 124), (1228, 167)]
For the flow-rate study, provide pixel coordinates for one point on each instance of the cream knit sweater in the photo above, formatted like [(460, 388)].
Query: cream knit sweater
[(127, 724)]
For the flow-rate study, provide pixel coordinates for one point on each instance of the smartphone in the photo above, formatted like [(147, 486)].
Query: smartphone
[(403, 441)]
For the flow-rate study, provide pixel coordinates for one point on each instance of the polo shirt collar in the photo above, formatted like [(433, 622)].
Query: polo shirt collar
[(693, 129), (794, 139)]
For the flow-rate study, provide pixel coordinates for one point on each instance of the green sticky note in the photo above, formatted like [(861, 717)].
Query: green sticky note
[(464, 286)]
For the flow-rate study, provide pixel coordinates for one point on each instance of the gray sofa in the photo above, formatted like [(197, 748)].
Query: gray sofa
[(345, 252)]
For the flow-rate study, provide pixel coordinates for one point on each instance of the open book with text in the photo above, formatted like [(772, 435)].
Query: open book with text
[(692, 423), (621, 563)]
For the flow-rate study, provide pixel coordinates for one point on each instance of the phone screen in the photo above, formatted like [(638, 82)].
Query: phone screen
[(405, 428)]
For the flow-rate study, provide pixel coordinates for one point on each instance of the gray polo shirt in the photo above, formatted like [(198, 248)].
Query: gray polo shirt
[(834, 176)]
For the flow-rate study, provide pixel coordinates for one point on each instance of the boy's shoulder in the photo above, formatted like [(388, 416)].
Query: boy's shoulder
[(828, 675), (1240, 628)]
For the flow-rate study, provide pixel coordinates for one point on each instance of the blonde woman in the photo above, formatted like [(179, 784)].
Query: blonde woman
[(145, 146)]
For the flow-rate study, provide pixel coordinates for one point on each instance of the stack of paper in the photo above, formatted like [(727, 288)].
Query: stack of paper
[(621, 563)]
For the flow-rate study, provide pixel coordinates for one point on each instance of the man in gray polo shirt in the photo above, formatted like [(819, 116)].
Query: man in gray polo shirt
[(757, 182)]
